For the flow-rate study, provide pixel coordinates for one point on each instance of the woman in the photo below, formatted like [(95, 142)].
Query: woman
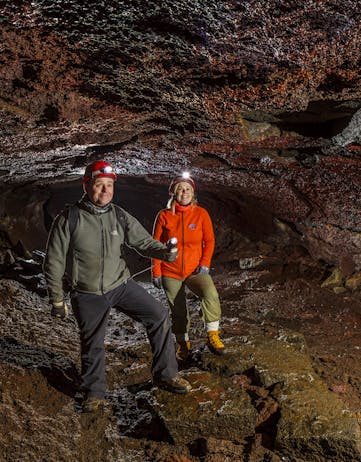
[(192, 227)]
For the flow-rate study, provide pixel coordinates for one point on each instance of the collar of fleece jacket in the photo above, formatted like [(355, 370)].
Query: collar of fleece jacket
[(88, 205)]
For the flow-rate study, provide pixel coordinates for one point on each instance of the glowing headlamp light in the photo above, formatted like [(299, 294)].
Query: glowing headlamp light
[(108, 169)]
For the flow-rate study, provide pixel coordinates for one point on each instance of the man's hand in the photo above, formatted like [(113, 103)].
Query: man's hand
[(171, 253), (202, 270), (60, 310), (157, 282)]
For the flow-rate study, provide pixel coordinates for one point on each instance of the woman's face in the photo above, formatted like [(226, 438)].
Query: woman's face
[(184, 193)]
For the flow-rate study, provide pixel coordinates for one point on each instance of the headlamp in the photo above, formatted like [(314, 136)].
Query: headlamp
[(108, 169)]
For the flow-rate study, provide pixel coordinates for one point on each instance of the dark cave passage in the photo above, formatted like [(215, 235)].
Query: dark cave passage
[(238, 220)]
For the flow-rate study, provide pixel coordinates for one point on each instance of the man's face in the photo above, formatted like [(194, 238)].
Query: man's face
[(100, 191)]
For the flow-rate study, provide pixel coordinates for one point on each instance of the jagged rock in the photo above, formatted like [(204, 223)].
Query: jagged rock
[(351, 134), (339, 289), (220, 450), (312, 422), (211, 409), (334, 280), (259, 262), (354, 281), (315, 425), (347, 265), (30, 265), (21, 250), (9, 258), (257, 131)]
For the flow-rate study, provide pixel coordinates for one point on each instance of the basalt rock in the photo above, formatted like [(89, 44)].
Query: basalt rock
[(262, 100), (263, 386)]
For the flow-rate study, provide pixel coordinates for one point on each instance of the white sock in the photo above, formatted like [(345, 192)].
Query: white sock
[(212, 326)]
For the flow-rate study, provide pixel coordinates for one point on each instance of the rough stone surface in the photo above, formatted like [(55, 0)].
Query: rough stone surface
[(262, 98), (211, 409), (261, 102)]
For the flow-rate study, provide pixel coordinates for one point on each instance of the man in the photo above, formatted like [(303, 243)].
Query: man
[(92, 259)]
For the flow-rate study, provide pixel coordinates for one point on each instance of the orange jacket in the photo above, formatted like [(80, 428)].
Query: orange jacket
[(192, 226)]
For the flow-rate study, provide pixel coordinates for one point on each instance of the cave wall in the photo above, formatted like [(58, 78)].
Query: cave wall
[(261, 102)]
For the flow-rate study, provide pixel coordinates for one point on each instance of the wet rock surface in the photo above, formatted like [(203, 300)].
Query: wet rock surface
[(261, 102), (287, 389)]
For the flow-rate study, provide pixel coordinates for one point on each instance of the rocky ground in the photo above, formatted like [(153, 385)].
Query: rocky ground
[(288, 389)]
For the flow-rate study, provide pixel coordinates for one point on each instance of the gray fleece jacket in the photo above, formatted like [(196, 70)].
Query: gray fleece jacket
[(92, 257)]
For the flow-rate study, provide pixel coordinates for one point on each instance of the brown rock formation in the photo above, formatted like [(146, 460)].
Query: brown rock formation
[(261, 102)]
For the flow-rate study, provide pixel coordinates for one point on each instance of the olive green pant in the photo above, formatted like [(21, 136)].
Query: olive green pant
[(202, 286)]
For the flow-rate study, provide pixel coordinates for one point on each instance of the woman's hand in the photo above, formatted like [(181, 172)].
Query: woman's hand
[(157, 282), (202, 270)]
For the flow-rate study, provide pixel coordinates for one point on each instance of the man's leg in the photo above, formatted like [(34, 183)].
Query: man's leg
[(137, 303), (91, 313)]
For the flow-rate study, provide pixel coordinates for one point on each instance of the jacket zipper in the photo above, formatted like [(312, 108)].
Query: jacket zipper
[(102, 257), (182, 214)]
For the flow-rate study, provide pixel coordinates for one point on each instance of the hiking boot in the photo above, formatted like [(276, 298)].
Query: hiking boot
[(183, 350), (92, 404), (175, 385), (214, 343)]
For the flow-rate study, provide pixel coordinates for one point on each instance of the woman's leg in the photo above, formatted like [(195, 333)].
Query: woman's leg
[(202, 285), (175, 292)]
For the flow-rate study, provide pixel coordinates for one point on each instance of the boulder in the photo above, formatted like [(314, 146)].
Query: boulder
[(263, 385), (213, 409)]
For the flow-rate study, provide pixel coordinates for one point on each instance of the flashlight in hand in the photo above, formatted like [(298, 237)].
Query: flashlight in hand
[(172, 251), (172, 243)]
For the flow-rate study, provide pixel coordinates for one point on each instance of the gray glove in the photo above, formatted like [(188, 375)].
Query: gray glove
[(171, 254), (60, 310), (157, 282), (202, 270)]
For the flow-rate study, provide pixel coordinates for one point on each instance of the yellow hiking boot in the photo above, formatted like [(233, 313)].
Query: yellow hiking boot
[(214, 343), (183, 350)]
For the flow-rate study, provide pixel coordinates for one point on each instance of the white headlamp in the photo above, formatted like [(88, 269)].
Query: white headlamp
[(108, 169)]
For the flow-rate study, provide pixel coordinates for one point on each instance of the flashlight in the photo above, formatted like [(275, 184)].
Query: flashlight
[(171, 243)]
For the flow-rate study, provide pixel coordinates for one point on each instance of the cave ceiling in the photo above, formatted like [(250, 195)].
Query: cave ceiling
[(259, 100)]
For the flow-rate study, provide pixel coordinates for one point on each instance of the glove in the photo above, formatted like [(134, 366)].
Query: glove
[(60, 310), (202, 270), (157, 282), (171, 254)]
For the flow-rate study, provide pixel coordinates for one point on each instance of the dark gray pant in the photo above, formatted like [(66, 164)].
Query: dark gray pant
[(91, 312)]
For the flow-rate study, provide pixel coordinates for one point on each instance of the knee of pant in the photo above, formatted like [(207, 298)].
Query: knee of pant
[(160, 316), (211, 295)]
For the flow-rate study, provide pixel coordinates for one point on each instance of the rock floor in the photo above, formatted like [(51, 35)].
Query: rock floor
[(41, 420)]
